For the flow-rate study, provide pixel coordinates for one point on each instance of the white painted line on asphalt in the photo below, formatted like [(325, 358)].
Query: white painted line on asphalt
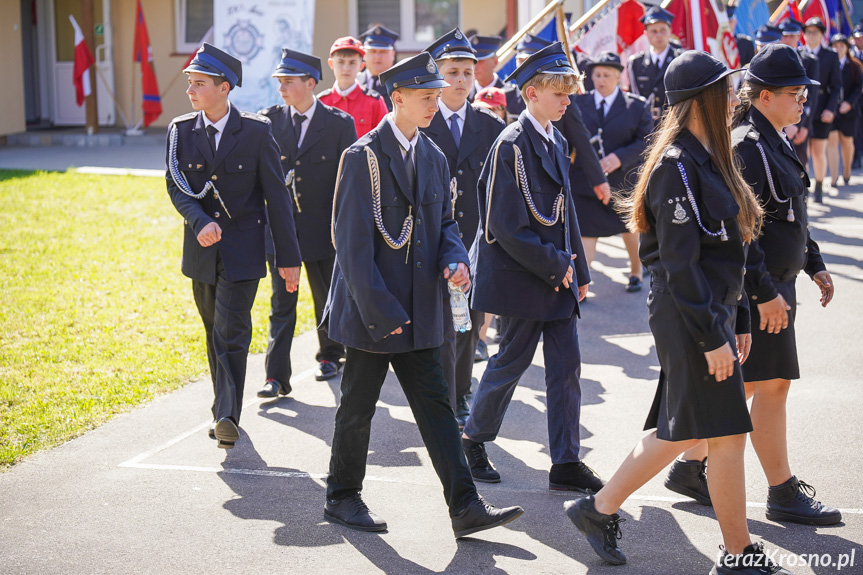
[(135, 461), (99, 171)]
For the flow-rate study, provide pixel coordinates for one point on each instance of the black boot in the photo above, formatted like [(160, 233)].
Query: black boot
[(575, 476), (794, 501), (753, 561), (818, 193), (354, 513), (477, 460), (689, 478), (479, 516), (602, 531)]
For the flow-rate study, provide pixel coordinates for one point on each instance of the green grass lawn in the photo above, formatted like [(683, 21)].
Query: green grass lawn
[(95, 315)]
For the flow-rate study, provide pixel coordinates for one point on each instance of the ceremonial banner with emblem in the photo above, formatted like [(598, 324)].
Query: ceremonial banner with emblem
[(255, 33)]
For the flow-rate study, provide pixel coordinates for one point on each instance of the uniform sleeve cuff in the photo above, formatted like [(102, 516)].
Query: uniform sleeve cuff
[(710, 341)]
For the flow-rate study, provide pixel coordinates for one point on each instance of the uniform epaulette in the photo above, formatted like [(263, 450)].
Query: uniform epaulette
[(370, 92), (184, 117), (340, 113), (254, 116), (637, 97), (672, 151), (326, 92), (487, 112), (270, 110), (753, 134)]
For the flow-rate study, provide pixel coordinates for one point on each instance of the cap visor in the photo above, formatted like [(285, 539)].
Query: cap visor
[(200, 70), (428, 85), (454, 55)]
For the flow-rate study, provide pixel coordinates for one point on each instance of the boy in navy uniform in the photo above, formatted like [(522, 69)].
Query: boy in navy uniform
[(465, 135), (394, 234), (485, 50), (379, 43), (312, 137), (529, 268), (225, 179), (646, 69)]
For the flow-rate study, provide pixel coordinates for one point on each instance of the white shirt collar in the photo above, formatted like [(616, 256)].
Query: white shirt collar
[(402, 139), (444, 109), (477, 86), (814, 51), (220, 125), (308, 113), (346, 92), (843, 61), (547, 134), (609, 100), (659, 58)]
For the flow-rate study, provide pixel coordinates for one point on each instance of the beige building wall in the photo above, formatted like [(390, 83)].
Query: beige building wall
[(487, 17), (12, 120)]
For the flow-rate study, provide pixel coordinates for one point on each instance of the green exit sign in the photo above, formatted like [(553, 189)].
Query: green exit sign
[(100, 29)]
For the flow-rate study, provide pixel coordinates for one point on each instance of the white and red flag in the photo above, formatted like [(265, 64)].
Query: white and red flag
[(83, 60), (619, 30), (700, 25)]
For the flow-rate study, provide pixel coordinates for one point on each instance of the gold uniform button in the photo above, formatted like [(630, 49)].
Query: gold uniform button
[(551, 277), (259, 221), (240, 166), (459, 172), (461, 192), (297, 163), (284, 158), (323, 157), (755, 297), (214, 177), (299, 179), (739, 297), (217, 214), (190, 165), (419, 265), (461, 214)]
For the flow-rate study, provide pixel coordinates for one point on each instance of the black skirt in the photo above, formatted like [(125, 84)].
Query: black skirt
[(689, 402), (596, 220), (847, 123), (774, 355)]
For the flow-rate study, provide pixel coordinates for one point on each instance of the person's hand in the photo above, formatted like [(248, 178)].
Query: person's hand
[(582, 291), (603, 192), (211, 234), (825, 282), (291, 277), (844, 108), (461, 276), (567, 279), (827, 117), (744, 345), (791, 131), (774, 314), (610, 163), (720, 362), (397, 330), (802, 134)]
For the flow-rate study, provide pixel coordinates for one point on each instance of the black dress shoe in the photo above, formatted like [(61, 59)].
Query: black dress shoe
[(354, 513), (479, 516), (481, 353), (272, 388), (326, 370), (634, 285), (477, 460), (689, 478), (212, 430), (794, 501), (227, 433), (462, 411), (602, 531), (818, 193), (575, 476), (753, 561)]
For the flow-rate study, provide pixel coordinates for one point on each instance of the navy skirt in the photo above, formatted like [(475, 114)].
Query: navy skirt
[(774, 355)]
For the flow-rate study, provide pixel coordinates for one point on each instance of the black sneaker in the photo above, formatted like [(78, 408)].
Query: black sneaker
[(479, 516), (689, 478), (575, 476), (602, 531), (354, 513), (753, 561), (327, 370), (477, 460), (634, 285), (794, 501)]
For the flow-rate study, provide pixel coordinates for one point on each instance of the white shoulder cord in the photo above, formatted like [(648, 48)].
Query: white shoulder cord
[(790, 217), (291, 184), (723, 235), (453, 193), (180, 178)]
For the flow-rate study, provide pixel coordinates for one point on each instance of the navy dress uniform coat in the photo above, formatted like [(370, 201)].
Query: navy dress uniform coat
[(852, 84), (784, 248), (696, 303), (626, 124), (363, 80), (376, 288), (646, 79)]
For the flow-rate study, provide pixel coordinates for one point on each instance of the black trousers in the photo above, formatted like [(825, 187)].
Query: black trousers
[(283, 320), (320, 274), (419, 373), (226, 310), (457, 355)]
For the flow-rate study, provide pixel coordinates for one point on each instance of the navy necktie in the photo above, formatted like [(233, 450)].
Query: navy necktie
[(409, 167), (453, 128), (298, 126), (601, 111), (211, 136)]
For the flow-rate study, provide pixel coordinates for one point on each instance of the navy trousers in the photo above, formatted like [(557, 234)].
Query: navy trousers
[(520, 338), (457, 354), (283, 320), (226, 310)]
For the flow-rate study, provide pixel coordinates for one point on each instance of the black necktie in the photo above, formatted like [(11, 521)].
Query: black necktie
[(601, 111), (298, 126), (211, 136), (453, 128), (409, 167)]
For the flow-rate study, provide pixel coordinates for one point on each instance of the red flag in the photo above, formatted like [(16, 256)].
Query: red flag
[(208, 37), (151, 102), (818, 8), (699, 25), (83, 60)]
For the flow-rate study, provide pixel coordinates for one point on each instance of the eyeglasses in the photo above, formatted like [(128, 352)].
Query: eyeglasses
[(799, 95)]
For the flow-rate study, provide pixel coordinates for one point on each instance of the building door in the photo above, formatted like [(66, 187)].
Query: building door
[(58, 61)]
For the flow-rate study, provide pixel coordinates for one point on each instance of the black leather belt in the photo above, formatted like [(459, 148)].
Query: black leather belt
[(722, 294)]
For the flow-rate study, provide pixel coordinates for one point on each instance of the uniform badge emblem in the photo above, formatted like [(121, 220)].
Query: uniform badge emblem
[(458, 35), (475, 41), (680, 216), (431, 67), (528, 38)]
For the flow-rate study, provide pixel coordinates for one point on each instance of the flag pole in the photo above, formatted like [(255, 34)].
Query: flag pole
[(509, 45), (778, 12)]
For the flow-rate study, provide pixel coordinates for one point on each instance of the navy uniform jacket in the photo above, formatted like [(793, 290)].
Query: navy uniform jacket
[(481, 128), (830, 89), (514, 102), (516, 260), (315, 164), (699, 268), (363, 79), (745, 47), (645, 79), (810, 65), (374, 290), (626, 124), (783, 246), (247, 173), (498, 83), (852, 84), (571, 125)]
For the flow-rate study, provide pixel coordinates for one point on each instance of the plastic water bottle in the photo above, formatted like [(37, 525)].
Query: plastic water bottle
[(459, 305)]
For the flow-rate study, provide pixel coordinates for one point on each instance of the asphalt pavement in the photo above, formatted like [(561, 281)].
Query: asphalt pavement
[(148, 492)]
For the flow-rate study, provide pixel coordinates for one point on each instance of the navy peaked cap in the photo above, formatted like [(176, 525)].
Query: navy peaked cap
[(379, 37), (451, 45), (485, 46), (657, 14), (550, 60), (418, 72), (295, 63), (767, 34), (211, 61), (530, 44)]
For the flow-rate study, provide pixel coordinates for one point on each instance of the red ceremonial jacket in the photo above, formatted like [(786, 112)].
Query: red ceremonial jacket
[(366, 107)]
